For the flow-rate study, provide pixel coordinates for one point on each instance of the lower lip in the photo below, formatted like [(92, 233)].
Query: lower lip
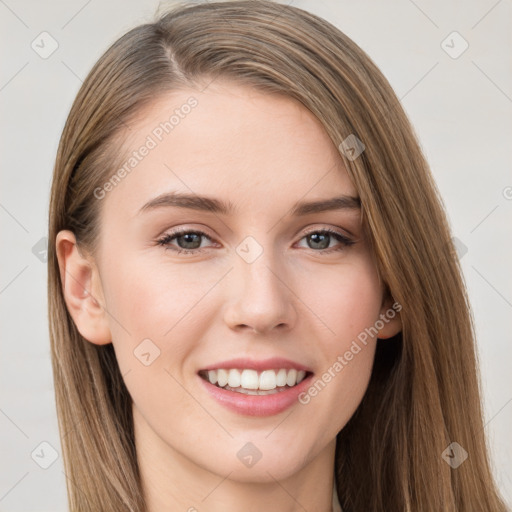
[(257, 405)]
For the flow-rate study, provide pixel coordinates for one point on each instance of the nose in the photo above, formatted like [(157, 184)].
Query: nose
[(260, 298)]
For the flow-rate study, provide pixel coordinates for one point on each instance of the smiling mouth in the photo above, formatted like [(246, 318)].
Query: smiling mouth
[(252, 382)]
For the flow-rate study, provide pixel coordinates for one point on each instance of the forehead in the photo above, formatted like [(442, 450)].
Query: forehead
[(232, 142)]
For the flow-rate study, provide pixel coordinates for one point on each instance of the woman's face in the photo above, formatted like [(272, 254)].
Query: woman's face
[(258, 281)]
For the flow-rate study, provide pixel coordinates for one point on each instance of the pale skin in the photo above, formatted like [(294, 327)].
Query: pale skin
[(263, 154)]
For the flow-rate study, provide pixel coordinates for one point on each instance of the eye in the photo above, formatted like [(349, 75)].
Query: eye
[(188, 241), (321, 239)]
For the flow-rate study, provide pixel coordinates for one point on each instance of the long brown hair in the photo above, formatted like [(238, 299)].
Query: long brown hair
[(424, 391)]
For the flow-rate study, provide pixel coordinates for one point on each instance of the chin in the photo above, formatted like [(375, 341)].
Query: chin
[(249, 464)]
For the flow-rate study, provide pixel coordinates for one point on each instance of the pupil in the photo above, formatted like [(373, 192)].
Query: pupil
[(324, 238), (188, 238)]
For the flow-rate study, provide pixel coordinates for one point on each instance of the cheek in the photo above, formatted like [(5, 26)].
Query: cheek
[(347, 300), (161, 301), (151, 297), (348, 305), (152, 310)]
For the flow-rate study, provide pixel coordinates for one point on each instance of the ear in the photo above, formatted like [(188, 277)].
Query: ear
[(390, 317), (81, 286)]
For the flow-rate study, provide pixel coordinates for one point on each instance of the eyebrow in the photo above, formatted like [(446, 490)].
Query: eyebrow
[(213, 205)]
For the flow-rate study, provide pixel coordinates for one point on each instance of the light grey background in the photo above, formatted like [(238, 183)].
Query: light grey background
[(460, 107)]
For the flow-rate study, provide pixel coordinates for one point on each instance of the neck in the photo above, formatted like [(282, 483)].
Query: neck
[(171, 481)]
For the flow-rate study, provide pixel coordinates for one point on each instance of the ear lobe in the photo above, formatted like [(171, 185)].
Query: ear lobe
[(389, 319), (81, 286)]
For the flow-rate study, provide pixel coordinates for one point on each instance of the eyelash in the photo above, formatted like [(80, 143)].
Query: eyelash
[(167, 238)]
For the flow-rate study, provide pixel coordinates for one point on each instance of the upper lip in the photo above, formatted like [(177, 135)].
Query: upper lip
[(258, 365)]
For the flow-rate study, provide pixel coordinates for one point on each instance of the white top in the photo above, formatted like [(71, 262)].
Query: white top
[(336, 507)]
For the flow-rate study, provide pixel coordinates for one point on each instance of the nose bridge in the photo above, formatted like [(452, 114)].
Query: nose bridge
[(259, 297)]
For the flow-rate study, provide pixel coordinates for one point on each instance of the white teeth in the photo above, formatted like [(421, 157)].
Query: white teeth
[(251, 380), (281, 377), (291, 378), (212, 376), (268, 380), (255, 391), (222, 377), (234, 378)]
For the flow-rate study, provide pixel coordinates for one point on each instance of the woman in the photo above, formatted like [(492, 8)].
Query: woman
[(254, 299)]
